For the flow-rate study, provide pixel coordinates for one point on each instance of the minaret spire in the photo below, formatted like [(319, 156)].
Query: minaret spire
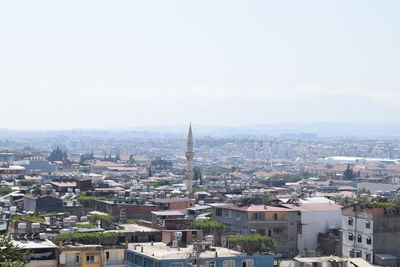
[(189, 158)]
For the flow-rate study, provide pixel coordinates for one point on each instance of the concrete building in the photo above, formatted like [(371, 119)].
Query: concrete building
[(161, 255), (316, 218), (280, 223), (331, 261), (370, 229), (91, 255), (42, 252), (128, 210), (174, 203)]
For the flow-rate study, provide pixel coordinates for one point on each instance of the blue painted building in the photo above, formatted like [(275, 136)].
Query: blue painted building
[(160, 255)]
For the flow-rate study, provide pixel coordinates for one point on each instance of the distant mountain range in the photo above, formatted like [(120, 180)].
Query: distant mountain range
[(179, 131)]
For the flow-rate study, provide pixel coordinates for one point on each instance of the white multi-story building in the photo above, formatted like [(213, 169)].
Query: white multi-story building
[(357, 234), (370, 229)]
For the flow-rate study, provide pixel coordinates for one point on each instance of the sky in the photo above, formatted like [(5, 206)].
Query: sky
[(120, 64)]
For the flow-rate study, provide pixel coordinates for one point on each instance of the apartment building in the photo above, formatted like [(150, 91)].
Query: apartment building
[(370, 230), (282, 224)]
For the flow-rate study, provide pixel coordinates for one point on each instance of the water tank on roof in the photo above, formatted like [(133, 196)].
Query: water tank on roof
[(201, 202), (83, 218), (70, 190), (22, 228), (64, 231), (35, 227), (210, 238), (13, 210), (178, 235), (43, 236)]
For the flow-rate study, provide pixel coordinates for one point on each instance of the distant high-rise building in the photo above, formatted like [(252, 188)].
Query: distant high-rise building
[(189, 158)]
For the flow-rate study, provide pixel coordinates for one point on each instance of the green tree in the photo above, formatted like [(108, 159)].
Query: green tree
[(11, 254), (198, 176), (208, 226), (5, 190), (349, 174), (131, 160), (251, 243), (57, 155), (85, 157)]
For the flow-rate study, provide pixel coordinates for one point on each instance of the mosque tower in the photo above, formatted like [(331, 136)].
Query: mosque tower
[(189, 158)]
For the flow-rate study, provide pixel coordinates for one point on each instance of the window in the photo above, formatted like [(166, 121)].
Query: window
[(368, 224), (92, 258), (275, 216), (359, 238), (210, 264), (291, 223), (228, 263), (176, 264), (77, 257), (369, 240), (248, 263), (218, 212), (355, 253), (350, 237), (107, 256), (350, 221), (269, 232), (291, 238), (368, 257), (257, 216)]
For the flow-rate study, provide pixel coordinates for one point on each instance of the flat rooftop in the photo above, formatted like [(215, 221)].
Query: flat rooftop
[(34, 244), (136, 228), (160, 251)]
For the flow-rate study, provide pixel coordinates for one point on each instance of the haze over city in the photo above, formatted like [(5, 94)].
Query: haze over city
[(102, 64)]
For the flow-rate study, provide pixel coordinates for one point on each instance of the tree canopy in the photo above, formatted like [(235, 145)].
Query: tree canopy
[(57, 155), (11, 254), (251, 243), (5, 190), (85, 157), (349, 174), (208, 226)]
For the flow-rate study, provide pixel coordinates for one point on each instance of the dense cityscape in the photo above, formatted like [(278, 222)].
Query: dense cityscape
[(287, 200), (212, 133)]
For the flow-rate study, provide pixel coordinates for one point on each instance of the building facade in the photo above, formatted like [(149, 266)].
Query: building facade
[(370, 230), (283, 225)]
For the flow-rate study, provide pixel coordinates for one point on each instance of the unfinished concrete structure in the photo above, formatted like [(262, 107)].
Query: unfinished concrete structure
[(370, 229)]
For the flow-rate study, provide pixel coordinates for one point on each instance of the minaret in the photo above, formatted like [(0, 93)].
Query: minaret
[(189, 158)]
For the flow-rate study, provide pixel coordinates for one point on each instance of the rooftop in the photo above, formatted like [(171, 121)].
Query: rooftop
[(170, 200), (136, 228), (160, 251), (34, 244)]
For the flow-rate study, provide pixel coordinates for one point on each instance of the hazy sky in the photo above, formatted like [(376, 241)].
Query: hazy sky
[(106, 64)]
